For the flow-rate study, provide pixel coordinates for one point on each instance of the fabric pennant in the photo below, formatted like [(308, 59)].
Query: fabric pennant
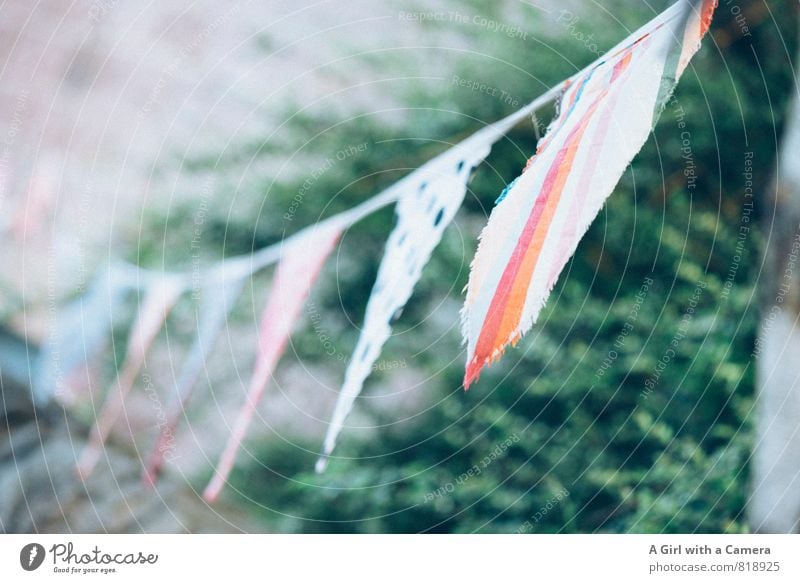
[(79, 330), (159, 301), (423, 212), (301, 260), (216, 303), (605, 116)]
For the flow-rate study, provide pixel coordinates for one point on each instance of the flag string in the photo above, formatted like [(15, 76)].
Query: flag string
[(243, 266), (534, 228), (247, 265)]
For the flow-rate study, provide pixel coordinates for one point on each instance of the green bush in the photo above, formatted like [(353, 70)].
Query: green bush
[(628, 408)]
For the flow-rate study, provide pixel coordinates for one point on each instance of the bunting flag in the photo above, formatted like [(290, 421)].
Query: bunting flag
[(216, 303), (32, 212), (605, 116), (423, 212), (158, 303), (79, 330), (301, 261)]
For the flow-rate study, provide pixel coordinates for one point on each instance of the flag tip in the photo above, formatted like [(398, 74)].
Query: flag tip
[(472, 373), (149, 477), (87, 462), (211, 494)]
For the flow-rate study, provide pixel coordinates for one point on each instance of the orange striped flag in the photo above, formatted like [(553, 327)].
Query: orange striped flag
[(605, 116)]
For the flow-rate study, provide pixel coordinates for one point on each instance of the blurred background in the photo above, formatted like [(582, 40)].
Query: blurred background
[(659, 391)]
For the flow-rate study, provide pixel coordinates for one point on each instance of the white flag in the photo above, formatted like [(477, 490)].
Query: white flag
[(427, 205)]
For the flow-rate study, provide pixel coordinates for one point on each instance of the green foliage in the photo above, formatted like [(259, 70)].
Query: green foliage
[(628, 407)]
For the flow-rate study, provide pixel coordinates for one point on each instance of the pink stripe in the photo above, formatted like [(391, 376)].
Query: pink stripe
[(301, 263), (157, 306), (567, 241)]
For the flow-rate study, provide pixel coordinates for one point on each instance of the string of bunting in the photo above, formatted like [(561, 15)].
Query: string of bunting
[(606, 113)]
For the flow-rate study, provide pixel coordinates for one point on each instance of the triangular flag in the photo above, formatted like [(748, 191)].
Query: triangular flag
[(423, 212), (605, 117), (78, 331), (159, 301), (302, 259), (217, 301)]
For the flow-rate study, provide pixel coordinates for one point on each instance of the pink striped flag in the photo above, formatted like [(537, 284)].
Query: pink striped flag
[(212, 312), (157, 305), (606, 115), (77, 333), (301, 261)]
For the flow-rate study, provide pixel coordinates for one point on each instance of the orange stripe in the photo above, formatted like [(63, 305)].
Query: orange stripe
[(505, 311), (706, 15), (509, 299), (519, 292)]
